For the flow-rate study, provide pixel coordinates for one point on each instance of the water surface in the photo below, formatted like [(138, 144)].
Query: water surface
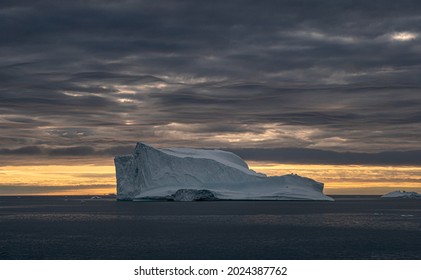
[(365, 227)]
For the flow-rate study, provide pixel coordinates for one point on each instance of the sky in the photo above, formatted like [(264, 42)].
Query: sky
[(328, 89)]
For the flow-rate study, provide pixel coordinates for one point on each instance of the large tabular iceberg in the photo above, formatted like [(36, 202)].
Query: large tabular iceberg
[(151, 173)]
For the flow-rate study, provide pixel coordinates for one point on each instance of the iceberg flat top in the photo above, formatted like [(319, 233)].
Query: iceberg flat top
[(224, 157)]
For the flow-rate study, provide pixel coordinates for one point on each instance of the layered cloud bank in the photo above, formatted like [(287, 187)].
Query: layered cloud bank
[(330, 75), (195, 174)]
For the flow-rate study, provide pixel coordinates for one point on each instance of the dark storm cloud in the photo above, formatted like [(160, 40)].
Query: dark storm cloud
[(68, 151), (284, 155), (27, 151), (312, 156), (89, 77)]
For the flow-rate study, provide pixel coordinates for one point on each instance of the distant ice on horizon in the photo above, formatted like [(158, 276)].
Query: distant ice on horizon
[(157, 174), (402, 194)]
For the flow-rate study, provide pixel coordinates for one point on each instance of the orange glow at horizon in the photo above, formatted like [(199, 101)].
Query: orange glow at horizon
[(100, 178), (345, 178)]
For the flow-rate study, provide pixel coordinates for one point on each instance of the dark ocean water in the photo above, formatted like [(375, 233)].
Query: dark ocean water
[(364, 227)]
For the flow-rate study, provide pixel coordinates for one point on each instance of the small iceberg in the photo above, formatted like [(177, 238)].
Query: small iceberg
[(402, 194)]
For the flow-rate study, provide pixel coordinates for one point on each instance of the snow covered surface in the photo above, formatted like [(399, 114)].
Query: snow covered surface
[(226, 158), (151, 173), (402, 194)]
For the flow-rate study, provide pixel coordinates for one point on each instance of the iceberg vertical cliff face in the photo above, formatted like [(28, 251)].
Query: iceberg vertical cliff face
[(151, 173)]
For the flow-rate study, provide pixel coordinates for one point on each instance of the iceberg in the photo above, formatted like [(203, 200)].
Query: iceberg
[(402, 194), (184, 174)]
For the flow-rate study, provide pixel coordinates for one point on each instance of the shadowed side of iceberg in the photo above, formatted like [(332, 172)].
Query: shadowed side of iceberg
[(160, 173)]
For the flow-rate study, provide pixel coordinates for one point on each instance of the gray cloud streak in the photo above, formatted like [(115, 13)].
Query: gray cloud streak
[(279, 155), (312, 156)]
